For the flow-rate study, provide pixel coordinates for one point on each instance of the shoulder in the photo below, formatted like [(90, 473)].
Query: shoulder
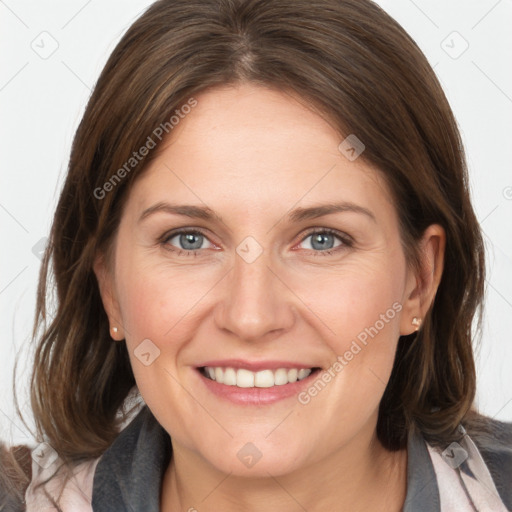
[(494, 441), (52, 485), (493, 438)]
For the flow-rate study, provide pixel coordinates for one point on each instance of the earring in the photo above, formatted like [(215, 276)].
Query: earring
[(114, 331), (416, 321)]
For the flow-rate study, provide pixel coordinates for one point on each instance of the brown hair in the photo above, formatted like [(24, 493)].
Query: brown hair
[(357, 67), (15, 472)]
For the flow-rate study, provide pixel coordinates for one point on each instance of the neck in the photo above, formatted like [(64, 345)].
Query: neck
[(350, 479)]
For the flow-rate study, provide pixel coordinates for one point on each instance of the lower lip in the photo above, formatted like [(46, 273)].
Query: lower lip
[(257, 396)]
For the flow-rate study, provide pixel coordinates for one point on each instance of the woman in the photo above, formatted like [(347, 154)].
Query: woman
[(266, 231)]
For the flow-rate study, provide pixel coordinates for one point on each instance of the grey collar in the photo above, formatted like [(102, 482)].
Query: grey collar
[(129, 474), (422, 489)]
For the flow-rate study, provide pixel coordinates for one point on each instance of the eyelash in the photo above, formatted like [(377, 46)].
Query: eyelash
[(346, 240)]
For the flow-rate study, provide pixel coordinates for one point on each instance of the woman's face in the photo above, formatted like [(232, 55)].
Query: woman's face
[(253, 243)]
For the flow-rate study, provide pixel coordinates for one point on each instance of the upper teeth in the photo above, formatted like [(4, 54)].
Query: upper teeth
[(263, 379)]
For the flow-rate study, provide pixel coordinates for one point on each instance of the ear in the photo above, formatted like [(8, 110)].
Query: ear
[(422, 283), (106, 286)]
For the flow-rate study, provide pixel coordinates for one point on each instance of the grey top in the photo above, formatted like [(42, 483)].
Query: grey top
[(129, 474)]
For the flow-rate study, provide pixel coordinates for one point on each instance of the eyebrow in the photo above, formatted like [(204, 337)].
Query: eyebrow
[(312, 212), (194, 212), (296, 215)]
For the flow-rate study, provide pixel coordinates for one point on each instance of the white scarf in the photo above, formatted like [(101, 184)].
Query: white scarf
[(458, 490)]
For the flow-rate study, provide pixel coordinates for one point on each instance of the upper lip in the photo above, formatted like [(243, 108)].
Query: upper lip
[(256, 366)]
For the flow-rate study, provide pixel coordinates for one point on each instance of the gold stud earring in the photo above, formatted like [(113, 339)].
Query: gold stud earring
[(416, 321)]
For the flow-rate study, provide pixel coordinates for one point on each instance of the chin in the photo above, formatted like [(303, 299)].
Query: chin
[(256, 460)]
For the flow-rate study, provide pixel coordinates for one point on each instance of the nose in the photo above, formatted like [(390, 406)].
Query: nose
[(255, 302)]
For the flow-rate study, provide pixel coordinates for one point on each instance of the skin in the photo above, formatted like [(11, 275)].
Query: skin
[(252, 154)]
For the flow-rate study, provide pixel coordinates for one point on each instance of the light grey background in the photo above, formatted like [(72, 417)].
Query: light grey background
[(52, 54)]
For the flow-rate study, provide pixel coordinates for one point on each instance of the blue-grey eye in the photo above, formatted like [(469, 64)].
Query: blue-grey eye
[(321, 241), (189, 241)]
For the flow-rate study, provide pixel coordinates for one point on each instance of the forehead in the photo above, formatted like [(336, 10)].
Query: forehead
[(258, 149)]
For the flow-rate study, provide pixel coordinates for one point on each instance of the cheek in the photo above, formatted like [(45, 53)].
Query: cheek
[(158, 303), (155, 297), (362, 295), (358, 311)]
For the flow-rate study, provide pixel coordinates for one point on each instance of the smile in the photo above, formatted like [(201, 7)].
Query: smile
[(244, 378)]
